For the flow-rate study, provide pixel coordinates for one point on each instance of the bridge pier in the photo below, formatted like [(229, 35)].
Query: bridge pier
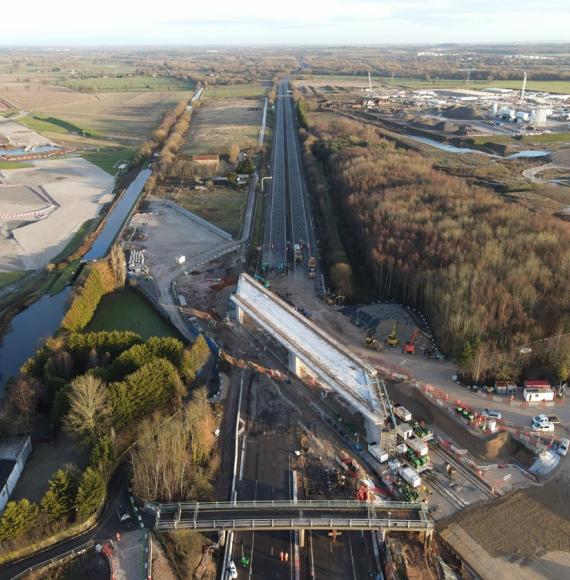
[(302, 538), (239, 314), (222, 538), (428, 537), (294, 364)]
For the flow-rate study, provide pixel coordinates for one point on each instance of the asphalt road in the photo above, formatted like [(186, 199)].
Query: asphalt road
[(105, 528)]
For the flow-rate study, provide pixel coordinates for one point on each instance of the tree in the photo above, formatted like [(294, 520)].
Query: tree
[(58, 500), (233, 152), (89, 409), (17, 518), (23, 393), (90, 493)]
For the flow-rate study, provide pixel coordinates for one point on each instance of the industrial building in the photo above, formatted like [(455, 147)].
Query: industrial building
[(14, 452)]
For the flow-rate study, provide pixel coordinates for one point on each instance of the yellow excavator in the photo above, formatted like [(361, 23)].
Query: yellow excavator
[(392, 339)]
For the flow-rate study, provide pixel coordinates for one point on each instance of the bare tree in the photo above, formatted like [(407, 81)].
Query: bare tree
[(89, 410)]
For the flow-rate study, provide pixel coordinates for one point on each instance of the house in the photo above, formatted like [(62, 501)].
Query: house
[(13, 454), (211, 161)]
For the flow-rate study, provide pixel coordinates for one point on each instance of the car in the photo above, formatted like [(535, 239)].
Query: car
[(541, 419), (232, 571), (563, 445), (124, 516), (491, 414), (543, 427)]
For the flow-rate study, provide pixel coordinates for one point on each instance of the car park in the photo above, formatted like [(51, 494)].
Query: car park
[(563, 445), (491, 414)]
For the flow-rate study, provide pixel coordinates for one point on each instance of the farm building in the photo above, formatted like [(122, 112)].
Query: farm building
[(13, 454)]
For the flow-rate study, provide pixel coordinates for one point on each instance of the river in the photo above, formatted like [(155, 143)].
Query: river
[(29, 328)]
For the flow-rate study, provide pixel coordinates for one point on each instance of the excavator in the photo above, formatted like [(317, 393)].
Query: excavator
[(410, 346), (392, 339)]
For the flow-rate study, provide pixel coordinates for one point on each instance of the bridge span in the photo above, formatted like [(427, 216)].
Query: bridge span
[(312, 351), (287, 515)]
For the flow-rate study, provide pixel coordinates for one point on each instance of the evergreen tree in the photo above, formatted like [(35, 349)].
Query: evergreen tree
[(58, 500), (90, 493), (17, 518)]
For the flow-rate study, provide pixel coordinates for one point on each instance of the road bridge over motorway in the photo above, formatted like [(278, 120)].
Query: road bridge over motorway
[(287, 515), (312, 351)]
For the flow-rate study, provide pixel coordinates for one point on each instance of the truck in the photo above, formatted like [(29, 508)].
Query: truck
[(378, 453), (410, 476), (297, 254), (312, 266), (402, 413), (419, 447)]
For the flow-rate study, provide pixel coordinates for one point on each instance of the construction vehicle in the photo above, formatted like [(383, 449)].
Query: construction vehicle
[(410, 346), (297, 253), (421, 431), (312, 266), (392, 339), (370, 342), (262, 280)]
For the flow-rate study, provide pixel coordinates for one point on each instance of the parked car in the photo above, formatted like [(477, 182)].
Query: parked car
[(491, 414), (541, 419), (124, 516), (563, 445), (543, 427)]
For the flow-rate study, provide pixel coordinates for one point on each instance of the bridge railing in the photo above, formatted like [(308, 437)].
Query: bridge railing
[(285, 504), (299, 523)]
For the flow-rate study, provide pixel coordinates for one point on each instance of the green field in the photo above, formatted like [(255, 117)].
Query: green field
[(10, 277), (13, 165), (231, 91), (64, 277), (108, 159), (138, 84), (546, 86), (128, 310), (55, 125), (223, 206), (547, 138)]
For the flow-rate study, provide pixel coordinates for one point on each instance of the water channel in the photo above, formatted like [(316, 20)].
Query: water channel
[(40, 320)]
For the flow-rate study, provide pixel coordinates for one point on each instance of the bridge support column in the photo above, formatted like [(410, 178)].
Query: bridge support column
[(294, 364), (222, 538), (239, 314), (428, 537), (301, 538), (382, 535)]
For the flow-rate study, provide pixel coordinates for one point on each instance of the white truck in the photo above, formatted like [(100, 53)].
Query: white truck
[(404, 431), (418, 446), (378, 453), (410, 476), (402, 413)]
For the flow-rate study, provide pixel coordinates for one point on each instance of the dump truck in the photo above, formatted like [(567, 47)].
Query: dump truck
[(312, 267)]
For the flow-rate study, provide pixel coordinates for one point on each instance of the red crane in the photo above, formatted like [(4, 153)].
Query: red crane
[(410, 346)]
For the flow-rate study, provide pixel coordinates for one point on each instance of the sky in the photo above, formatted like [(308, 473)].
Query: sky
[(260, 22)]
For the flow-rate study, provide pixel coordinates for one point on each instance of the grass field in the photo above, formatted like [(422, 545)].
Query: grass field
[(233, 91), (137, 84), (547, 138), (546, 86), (7, 278), (13, 165), (128, 310), (222, 206), (216, 124), (54, 125), (108, 159), (64, 277)]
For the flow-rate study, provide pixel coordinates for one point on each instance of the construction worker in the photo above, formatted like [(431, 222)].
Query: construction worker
[(281, 556), (286, 556), (118, 536)]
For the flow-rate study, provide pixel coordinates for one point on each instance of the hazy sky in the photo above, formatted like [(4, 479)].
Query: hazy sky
[(222, 22)]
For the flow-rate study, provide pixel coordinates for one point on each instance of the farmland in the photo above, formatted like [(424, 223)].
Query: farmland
[(233, 91), (218, 123), (127, 84)]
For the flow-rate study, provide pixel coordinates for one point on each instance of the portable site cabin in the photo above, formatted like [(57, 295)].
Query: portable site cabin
[(505, 388), (537, 391)]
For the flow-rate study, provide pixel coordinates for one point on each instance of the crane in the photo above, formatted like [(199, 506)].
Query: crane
[(410, 346)]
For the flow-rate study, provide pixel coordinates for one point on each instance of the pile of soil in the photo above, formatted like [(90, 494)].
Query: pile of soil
[(496, 447), (524, 524), (462, 113)]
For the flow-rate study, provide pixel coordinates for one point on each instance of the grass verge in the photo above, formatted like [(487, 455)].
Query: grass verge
[(14, 165), (7, 278), (108, 159)]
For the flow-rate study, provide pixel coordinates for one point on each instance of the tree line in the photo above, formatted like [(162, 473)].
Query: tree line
[(488, 275)]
